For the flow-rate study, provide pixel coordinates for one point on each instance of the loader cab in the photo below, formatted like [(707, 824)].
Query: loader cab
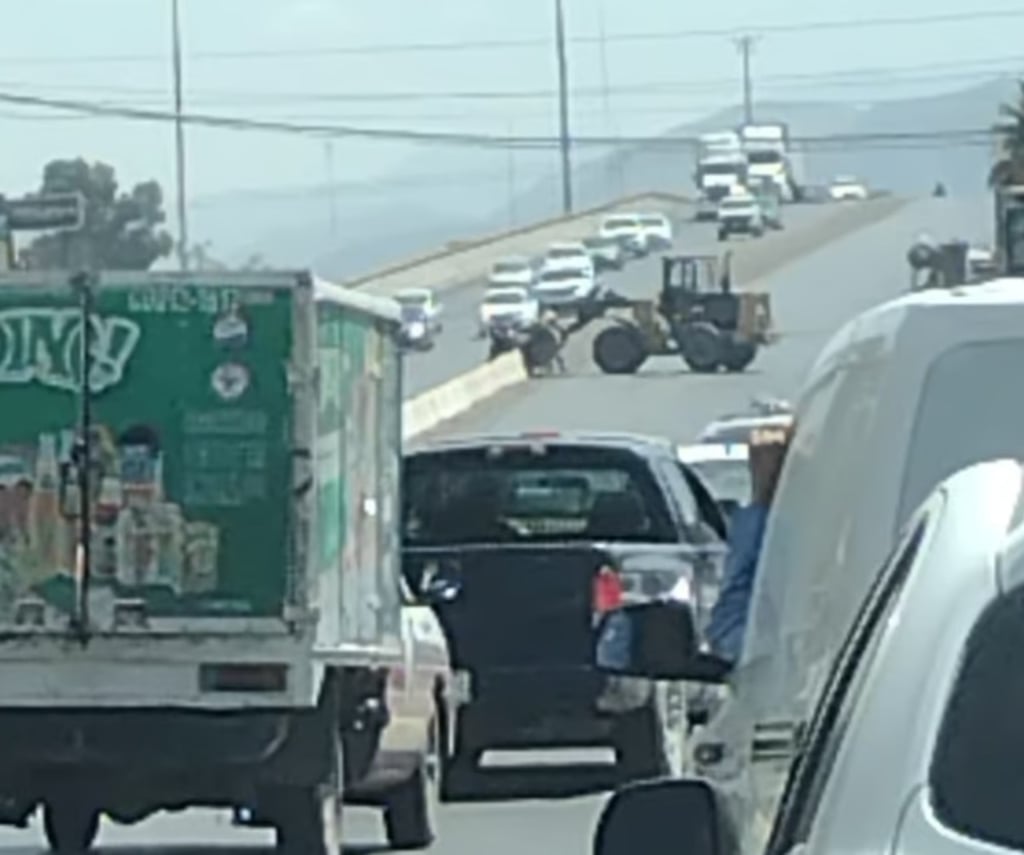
[(698, 287)]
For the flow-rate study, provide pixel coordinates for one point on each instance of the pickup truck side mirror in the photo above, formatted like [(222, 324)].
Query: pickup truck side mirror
[(666, 817), (657, 640)]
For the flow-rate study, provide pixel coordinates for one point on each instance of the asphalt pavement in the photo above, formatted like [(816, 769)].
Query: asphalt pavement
[(551, 809), (458, 350)]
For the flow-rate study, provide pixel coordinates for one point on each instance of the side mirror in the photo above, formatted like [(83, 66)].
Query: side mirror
[(657, 640), (666, 817)]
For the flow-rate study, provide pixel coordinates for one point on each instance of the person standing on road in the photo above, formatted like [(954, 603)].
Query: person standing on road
[(746, 534)]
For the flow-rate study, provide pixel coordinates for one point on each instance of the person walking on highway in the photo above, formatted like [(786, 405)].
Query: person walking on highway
[(746, 534)]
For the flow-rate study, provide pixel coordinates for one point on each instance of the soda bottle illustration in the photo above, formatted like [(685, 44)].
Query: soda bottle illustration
[(45, 522)]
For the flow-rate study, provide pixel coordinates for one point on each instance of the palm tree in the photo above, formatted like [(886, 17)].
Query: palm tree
[(1009, 168)]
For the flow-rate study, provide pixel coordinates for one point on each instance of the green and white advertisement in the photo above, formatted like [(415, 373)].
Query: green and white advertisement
[(191, 447)]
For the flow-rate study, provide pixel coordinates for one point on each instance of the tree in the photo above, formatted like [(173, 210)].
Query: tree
[(122, 230), (1009, 168)]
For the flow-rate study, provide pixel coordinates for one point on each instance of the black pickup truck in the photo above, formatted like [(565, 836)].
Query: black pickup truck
[(522, 543)]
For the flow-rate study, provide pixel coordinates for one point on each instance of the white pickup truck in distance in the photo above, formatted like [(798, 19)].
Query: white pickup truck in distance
[(740, 213), (564, 287), (517, 305), (568, 255)]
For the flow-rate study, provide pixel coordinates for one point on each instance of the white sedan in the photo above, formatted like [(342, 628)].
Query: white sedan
[(568, 255), (512, 271), (845, 188)]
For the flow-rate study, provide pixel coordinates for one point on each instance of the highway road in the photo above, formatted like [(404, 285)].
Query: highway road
[(458, 350), (545, 808)]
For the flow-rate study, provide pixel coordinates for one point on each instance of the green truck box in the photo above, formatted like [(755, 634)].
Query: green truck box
[(208, 626)]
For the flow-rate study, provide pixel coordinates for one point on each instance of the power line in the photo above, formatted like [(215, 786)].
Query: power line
[(795, 28), (654, 88), (237, 123)]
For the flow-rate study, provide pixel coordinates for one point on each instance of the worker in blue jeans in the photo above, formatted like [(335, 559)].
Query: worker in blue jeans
[(729, 615)]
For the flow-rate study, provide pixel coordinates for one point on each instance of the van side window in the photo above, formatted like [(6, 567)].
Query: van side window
[(967, 413), (977, 773), (809, 587)]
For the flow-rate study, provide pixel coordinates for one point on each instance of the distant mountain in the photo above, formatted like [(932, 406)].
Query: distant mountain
[(444, 195)]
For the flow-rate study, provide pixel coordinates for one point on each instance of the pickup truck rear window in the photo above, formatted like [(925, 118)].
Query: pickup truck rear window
[(518, 494)]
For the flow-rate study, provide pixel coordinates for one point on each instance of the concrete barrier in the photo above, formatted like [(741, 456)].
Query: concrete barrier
[(431, 408), (472, 260)]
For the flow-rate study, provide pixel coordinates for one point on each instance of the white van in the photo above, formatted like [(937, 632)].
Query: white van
[(901, 398)]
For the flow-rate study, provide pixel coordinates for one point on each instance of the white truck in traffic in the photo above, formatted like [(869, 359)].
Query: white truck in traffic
[(770, 155), (199, 555), (722, 168)]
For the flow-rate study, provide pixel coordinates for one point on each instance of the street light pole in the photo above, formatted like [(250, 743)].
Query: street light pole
[(179, 137), (563, 108)]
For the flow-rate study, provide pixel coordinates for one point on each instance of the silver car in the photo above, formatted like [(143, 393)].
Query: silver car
[(915, 740)]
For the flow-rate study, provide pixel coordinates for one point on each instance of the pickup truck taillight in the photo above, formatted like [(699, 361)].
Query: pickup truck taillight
[(608, 591)]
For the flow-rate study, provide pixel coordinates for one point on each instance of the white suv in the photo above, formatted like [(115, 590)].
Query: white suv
[(570, 255)]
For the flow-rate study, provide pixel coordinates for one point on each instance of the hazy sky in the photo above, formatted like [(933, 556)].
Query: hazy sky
[(67, 49)]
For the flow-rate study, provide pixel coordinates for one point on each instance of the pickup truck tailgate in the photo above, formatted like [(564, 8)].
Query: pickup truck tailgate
[(517, 606)]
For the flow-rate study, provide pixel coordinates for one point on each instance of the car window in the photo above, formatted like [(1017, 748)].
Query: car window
[(560, 494), (977, 773), (828, 724), (948, 433)]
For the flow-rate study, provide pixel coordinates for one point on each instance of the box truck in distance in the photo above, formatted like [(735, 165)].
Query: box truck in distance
[(199, 547)]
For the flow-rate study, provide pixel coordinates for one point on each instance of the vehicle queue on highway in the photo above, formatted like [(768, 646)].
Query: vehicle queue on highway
[(885, 465)]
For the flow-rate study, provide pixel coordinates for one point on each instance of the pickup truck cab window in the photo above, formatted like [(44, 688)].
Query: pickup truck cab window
[(515, 493)]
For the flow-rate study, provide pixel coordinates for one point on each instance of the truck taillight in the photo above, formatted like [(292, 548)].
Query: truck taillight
[(608, 591)]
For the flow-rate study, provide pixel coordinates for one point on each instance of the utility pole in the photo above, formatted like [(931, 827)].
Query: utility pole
[(746, 46), (563, 108), (615, 176), (179, 138)]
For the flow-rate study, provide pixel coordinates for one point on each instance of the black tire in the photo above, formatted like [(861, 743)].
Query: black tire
[(702, 347), (308, 822), (542, 348), (410, 814), (723, 235), (739, 355), (619, 350), (70, 826), (638, 746)]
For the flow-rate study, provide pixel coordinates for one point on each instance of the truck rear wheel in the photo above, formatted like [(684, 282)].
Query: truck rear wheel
[(70, 826), (619, 350), (410, 815), (308, 822)]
